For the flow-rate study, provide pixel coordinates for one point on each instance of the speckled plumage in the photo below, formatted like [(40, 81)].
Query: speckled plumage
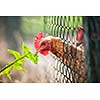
[(71, 56)]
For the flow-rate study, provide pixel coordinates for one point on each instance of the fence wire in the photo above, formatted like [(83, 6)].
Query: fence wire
[(65, 27)]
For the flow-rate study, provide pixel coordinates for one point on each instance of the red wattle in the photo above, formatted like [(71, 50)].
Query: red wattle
[(44, 52)]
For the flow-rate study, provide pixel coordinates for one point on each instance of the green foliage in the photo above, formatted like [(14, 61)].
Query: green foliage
[(18, 64), (25, 48), (6, 71), (15, 53), (31, 24), (31, 56), (19, 59)]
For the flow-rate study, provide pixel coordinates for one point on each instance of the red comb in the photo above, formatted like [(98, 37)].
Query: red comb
[(39, 36), (37, 39), (79, 36), (80, 33)]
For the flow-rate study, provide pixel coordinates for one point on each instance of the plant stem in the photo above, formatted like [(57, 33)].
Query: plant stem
[(22, 57)]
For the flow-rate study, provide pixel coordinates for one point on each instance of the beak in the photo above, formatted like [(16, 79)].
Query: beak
[(38, 50)]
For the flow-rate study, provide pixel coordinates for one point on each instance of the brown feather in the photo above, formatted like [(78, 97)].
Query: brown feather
[(72, 56)]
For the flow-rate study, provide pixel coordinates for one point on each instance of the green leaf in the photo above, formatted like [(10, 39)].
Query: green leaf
[(9, 76), (16, 54), (33, 57), (19, 68), (7, 72), (25, 48), (19, 59), (18, 65)]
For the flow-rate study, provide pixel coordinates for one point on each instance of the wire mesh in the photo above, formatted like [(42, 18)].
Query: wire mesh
[(65, 27)]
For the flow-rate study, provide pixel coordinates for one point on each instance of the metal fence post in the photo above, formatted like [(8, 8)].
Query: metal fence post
[(91, 25)]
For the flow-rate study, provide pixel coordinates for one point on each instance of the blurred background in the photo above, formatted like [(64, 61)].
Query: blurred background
[(14, 30)]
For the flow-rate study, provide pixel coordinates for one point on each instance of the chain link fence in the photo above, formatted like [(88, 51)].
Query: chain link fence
[(65, 27)]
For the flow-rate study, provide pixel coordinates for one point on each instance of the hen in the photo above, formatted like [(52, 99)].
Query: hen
[(65, 52)]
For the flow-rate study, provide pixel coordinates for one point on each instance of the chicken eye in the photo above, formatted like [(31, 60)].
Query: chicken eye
[(43, 44)]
